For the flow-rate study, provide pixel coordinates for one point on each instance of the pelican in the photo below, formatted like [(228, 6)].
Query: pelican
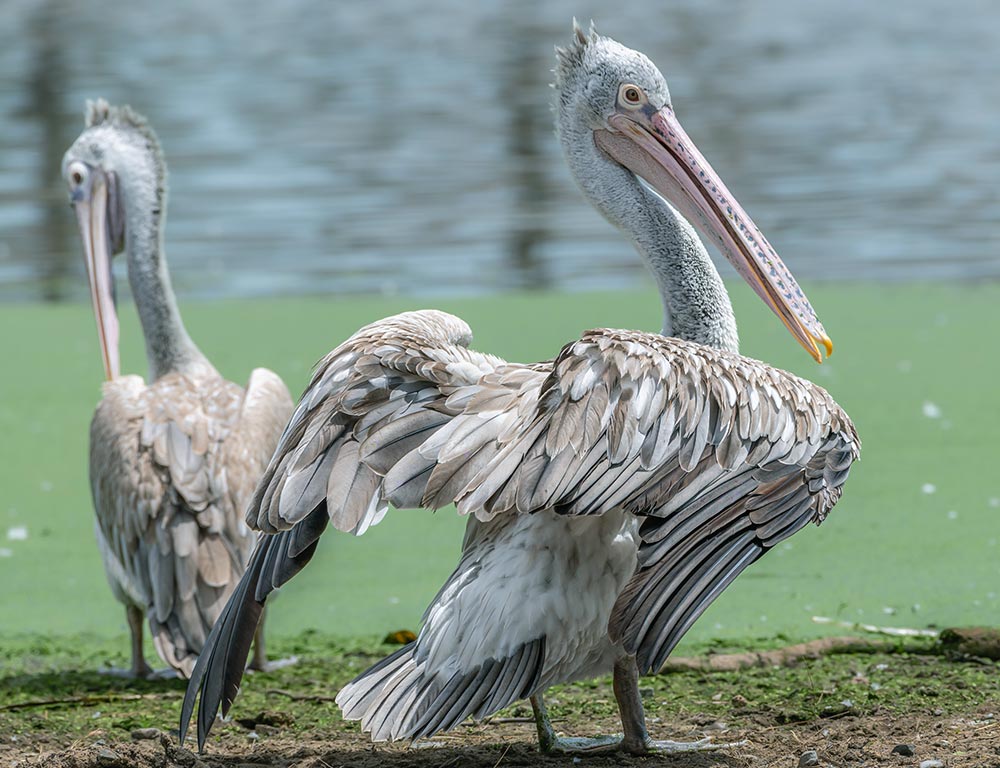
[(174, 462), (612, 492)]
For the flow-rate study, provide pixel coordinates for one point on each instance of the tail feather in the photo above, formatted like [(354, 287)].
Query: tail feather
[(402, 698), (354, 698), (219, 670)]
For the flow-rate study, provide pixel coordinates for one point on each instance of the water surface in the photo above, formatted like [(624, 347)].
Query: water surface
[(364, 147)]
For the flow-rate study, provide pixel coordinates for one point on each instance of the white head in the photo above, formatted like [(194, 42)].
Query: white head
[(616, 124), (117, 187)]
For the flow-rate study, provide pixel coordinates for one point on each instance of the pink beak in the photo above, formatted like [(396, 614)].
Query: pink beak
[(654, 146), (92, 218)]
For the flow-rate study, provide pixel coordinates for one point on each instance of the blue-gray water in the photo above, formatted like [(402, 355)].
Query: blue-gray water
[(398, 147)]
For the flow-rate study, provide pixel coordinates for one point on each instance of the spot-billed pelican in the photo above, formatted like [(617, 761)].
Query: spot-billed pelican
[(173, 462), (612, 492)]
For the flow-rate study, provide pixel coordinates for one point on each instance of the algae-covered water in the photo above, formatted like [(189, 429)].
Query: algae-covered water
[(913, 543)]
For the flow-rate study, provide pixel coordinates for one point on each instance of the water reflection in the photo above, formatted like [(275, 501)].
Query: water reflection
[(528, 128), (45, 86), (365, 147)]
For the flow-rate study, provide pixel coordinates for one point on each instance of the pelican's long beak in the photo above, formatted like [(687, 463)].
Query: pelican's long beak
[(653, 145), (92, 217)]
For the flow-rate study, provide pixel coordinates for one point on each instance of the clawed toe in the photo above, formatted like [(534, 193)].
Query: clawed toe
[(702, 745), (274, 665), (574, 745)]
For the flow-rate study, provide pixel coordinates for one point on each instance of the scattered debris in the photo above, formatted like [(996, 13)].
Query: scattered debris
[(841, 708), (268, 718), (95, 698), (300, 696), (931, 764), (780, 657), (871, 628), (983, 642), (17, 533), (931, 411)]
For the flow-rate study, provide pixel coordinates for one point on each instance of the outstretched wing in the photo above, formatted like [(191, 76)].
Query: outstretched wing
[(404, 413), (723, 456), (402, 378)]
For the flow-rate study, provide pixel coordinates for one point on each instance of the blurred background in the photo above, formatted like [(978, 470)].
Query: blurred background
[(376, 149), (331, 164)]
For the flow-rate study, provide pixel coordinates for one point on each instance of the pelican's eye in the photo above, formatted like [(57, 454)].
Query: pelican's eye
[(631, 96), (77, 173)]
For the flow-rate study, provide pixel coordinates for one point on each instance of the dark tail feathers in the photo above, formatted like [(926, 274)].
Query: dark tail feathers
[(216, 676)]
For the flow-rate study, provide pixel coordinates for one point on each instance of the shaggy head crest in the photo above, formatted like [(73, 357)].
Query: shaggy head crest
[(99, 112), (570, 57), (132, 127)]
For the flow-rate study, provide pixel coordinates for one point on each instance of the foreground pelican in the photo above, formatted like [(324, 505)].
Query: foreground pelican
[(172, 463), (613, 492)]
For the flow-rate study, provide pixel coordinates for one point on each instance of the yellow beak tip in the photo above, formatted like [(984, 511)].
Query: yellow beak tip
[(813, 348)]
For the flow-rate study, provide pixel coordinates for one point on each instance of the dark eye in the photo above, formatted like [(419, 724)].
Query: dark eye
[(76, 173)]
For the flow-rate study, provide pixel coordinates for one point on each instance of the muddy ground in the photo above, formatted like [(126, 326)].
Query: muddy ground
[(851, 709)]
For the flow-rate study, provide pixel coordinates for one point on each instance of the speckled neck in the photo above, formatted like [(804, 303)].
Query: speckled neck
[(169, 348), (696, 306)]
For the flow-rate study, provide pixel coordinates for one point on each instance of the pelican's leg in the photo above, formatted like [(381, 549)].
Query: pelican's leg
[(136, 619), (636, 739), (259, 659), (548, 741), (259, 662)]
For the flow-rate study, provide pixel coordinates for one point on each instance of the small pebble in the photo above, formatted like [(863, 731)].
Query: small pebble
[(931, 764), (906, 750), (809, 757), (106, 757), (739, 701), (142, 734), (845, 707)]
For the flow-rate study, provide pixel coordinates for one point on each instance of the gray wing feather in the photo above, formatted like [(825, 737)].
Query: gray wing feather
[(393, 379)]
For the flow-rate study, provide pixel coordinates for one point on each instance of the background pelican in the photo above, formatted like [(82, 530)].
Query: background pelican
[(614, 492), (172, 463)]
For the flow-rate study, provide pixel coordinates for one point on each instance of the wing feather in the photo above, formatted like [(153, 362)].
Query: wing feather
[(722, 456)]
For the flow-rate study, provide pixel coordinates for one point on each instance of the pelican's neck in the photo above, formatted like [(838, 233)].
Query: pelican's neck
[(696, 306), (169, 348)]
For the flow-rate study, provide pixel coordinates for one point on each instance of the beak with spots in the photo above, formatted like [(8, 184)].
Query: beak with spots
[(651, 143)]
